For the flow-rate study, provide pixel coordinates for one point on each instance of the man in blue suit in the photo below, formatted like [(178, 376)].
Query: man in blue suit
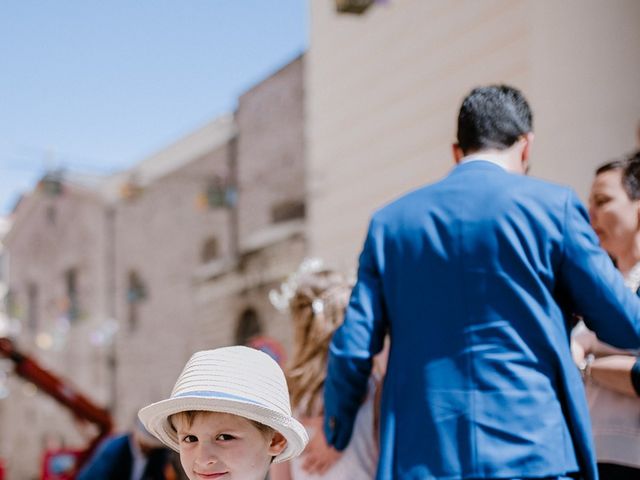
[(475, 279), (137, 455)]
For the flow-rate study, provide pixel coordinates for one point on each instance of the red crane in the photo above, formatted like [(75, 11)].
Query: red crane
[(61, 465)]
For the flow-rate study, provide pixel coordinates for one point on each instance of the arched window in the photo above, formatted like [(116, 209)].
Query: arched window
[(71, 283), (32, 307), (136, 293), (288, 210), (248, 326), (210, 250)]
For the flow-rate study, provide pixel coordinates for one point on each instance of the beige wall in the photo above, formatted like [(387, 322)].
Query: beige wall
[(585, 78), (383, 91)]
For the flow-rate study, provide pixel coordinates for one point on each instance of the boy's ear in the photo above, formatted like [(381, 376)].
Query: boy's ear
[(278, 444)]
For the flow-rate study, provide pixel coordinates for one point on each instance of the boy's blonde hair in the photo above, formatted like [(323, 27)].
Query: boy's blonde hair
[(317, 310), (190, 415)]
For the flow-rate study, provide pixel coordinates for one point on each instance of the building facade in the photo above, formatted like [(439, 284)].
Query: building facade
[(56, 292), (270, 178), (117, 283)]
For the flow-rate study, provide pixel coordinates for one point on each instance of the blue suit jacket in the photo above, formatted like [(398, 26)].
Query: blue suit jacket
[(113, 460), (472, 277)]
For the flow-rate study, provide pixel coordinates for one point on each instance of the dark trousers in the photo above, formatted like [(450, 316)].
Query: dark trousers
[(611, 471)]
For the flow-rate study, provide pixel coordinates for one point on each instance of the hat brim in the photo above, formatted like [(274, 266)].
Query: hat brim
[(155, 418)]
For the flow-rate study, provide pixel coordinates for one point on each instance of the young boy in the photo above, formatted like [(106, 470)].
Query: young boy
[(228, 416)]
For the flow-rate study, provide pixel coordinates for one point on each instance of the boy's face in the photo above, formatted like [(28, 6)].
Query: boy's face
[(224, 446)]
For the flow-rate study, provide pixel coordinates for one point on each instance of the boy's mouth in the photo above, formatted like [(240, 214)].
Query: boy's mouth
[(211, 476)]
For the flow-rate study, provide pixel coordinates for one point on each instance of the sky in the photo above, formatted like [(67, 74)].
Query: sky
[(95, 86)]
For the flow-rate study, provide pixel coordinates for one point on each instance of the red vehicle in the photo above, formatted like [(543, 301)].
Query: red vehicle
[(60, 464)]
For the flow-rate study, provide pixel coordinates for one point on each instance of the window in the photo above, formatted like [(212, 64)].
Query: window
[(51, 214), (248, 326), (288, 210), (32, 307), (209, 250), (136, 293), (71, 282), (218, 193), (353, 6)]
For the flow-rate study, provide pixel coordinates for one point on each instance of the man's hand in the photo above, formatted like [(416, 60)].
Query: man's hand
[(319, 456)]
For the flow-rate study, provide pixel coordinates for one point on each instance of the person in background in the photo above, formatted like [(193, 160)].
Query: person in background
[(136, 455), (316, 304), (614, 209)]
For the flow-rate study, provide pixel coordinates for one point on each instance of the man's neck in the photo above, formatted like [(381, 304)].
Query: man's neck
[(487, 157), (509, 158)]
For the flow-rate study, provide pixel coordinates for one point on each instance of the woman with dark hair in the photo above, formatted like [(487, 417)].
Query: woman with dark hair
[(614, 209)]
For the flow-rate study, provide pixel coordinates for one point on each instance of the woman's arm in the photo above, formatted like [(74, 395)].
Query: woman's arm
[(615, 373)]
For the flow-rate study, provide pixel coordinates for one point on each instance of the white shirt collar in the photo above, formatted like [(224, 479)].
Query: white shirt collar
[(486, 157)]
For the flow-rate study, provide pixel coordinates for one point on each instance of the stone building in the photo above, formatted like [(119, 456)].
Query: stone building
[(57, 270), (117, 282), (201, 242), (270, 216)]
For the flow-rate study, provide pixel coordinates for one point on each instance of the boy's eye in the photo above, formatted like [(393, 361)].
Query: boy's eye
[(189, 439), (225, 437)]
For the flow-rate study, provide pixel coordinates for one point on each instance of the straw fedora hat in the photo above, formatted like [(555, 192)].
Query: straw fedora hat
[(237, 380)]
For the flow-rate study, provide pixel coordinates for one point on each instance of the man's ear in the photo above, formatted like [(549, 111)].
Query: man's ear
[(278, 444), (458, 154), (527, 138)]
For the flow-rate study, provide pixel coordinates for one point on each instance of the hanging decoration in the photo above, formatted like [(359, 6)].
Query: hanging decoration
[(4, 383), (131, 189), (9, 327), (104, 334), (281, 297), (54, 339), (218, 193)]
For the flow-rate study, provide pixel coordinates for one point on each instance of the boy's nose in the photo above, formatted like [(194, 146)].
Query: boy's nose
[(207, 454)]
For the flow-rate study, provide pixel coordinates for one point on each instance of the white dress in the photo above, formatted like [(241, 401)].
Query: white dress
[(359, 460)]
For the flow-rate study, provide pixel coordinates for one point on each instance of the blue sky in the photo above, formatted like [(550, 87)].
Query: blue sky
[(95, 86)]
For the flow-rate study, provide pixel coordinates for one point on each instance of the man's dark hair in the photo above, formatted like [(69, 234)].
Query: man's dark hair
[(630, 167), (493, 117)]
